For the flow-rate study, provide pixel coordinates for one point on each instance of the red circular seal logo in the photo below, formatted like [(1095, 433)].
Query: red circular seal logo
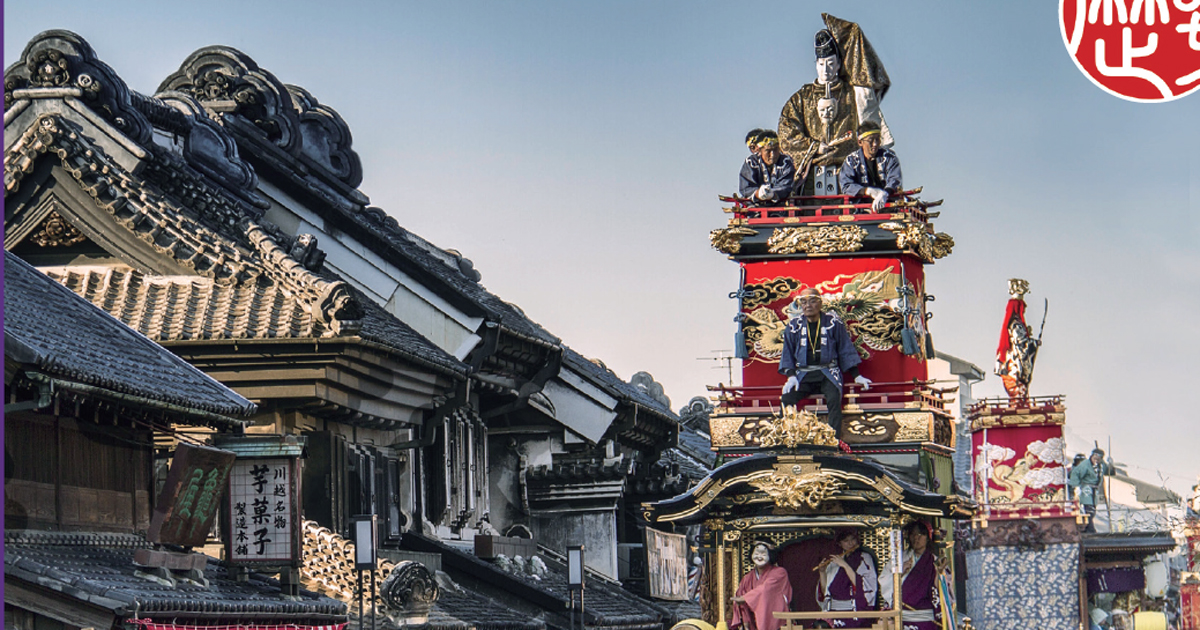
[(1139, 50)]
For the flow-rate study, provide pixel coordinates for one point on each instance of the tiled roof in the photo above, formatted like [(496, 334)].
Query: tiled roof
[(688, 465), (1145, 542), (479, 613), (384, 328), (693, 455), (98, 569), (608, 605), (446, 267), (183, 308), (606, 379), (48, 326)]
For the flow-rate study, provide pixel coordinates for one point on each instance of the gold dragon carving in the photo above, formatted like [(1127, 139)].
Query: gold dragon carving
[(794, 428), (729, 240), (814, 240), (860, 300), (914, 236), (794, 492)]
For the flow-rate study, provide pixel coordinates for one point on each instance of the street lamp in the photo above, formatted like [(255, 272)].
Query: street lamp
[(363, 527), (575, 580)]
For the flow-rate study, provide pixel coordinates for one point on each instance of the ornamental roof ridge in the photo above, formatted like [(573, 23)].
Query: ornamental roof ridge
[(61, 65), (331, 300), (225, 246), (318, 120), (228, 82), (63, 62), (142, 210)]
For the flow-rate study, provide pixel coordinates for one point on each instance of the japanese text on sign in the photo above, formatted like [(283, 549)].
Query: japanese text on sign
[(261, 510), (666, 564)]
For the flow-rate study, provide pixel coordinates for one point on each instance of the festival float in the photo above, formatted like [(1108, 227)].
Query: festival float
[(789, 482)]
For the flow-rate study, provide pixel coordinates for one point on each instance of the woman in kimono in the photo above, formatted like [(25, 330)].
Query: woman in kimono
[(765, 589), (848, 581), (918, 574)]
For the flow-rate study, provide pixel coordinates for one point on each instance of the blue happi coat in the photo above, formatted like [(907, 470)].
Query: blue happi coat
[(837, 351), (780, 178), (853, 176)]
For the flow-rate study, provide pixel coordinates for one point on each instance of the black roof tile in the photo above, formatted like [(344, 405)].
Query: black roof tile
[(64, 336), (608, 604), (98, 568), (609, 381)]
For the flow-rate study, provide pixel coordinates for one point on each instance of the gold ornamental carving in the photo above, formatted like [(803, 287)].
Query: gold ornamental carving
[(942, 245), (915, 237), (820, 240), (55, 231), (914, 426), (794, 492), (794, 428), (745, 523), (987, 421), (729, 240), (871, 428), (725, 431)]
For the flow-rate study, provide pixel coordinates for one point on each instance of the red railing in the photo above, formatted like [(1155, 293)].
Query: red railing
[(881, 395), (830, 207)]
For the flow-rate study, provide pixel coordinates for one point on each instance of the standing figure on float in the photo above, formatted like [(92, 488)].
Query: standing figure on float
[(919, 597), (851, 81), (1018, 348), (763, 591)]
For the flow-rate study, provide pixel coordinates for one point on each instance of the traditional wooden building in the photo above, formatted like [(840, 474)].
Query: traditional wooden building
[(221, 218), (85, 397)]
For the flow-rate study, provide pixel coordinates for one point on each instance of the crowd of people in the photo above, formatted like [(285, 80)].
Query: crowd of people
[(848, 581)]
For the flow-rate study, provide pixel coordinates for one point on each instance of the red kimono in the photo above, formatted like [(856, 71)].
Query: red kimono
[(766, 591)]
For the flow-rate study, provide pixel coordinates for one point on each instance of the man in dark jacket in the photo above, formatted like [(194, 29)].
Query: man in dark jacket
[(871, 171), (816, 352), (768, 178)]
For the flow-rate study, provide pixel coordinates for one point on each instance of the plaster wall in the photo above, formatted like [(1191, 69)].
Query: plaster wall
[(596, 531), (940, 371), (507, 456)]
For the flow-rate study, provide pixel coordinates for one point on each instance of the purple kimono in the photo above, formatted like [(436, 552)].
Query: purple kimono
[(918, 592), (843, 594)]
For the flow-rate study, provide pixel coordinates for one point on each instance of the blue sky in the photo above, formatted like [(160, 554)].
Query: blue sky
[(574, 152)]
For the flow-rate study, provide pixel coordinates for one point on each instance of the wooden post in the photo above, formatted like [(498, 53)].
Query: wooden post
[(897, 567), (721, 594)]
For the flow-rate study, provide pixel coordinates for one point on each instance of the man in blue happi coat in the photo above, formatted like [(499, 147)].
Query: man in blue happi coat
[(817, 351), (871, 171), (767, 179)]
